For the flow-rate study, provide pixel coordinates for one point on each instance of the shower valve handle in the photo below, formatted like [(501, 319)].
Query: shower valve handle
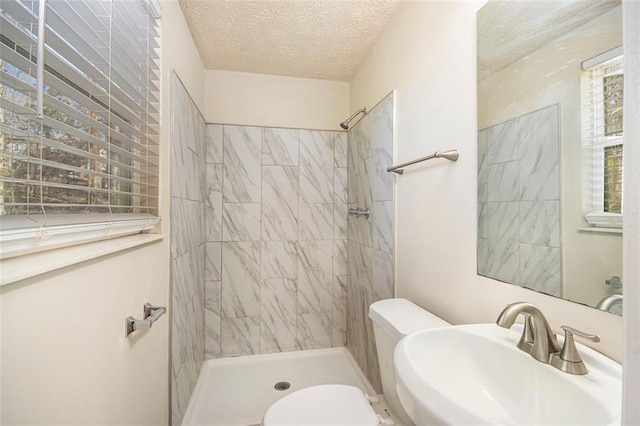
[(359, 212)]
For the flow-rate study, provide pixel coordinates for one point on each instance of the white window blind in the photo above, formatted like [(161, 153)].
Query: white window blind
[(602, 140), (88, 169)]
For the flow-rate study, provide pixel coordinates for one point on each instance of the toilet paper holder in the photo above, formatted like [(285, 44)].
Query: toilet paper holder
[(151, 314)]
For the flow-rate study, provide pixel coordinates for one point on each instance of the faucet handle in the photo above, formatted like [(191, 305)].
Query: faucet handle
[(526, 340), (571, 330), (568, 359)]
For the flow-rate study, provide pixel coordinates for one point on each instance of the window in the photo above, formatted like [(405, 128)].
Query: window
[(602, 139), (78, 131)]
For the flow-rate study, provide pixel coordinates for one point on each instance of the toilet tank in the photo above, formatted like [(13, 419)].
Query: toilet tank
[(392, 320)]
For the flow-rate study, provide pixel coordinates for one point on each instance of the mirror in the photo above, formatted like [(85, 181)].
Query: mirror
[(550, 148)]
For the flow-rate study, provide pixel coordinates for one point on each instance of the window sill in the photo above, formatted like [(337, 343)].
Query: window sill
[(27, 266), (22, 235), (596, 230), (604, 220)]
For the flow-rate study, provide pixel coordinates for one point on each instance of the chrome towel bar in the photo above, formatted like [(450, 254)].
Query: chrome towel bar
[(451, 155), (151, 315)]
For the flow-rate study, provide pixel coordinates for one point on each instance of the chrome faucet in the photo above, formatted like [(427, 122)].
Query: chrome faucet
[(537, 338), (540, 341), (609, 302)]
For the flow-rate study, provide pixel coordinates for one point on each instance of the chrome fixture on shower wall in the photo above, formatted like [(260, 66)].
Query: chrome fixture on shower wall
[(345, 123), (360, 212)]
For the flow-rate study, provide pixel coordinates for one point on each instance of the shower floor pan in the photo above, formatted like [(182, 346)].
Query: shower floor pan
[(238, 391)]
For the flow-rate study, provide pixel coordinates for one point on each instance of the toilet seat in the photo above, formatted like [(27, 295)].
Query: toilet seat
[(322, 405)]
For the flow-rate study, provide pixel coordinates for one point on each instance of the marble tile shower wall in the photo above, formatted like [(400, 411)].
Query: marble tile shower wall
[(519, 201), (370, 246), (187, 247), (276, 219)]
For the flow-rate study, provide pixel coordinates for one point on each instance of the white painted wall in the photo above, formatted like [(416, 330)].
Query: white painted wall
[(428, 54), (631, 408), (65, 359), (64, 356), (275, 101), (552, 75)]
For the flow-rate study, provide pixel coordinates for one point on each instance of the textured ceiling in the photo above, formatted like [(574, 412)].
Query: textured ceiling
[(326, 39), (509, 30)]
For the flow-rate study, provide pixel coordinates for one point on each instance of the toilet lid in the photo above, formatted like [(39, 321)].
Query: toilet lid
[(322, 405)]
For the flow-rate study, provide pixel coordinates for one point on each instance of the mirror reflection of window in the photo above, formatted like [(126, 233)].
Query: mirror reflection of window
[(613, 179), (602, 105)]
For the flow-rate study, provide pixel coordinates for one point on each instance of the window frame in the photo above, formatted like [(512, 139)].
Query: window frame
[(24, 234), (595, 145)]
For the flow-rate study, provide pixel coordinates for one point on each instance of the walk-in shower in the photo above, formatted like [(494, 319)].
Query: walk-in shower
[(271, 266)]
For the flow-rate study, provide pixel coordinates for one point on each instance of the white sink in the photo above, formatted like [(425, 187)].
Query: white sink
[(475, 374)]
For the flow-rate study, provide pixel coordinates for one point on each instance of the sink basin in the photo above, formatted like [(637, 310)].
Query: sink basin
[(475, 374)]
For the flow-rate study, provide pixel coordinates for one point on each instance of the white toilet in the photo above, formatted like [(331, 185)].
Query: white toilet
[(348, 405)]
